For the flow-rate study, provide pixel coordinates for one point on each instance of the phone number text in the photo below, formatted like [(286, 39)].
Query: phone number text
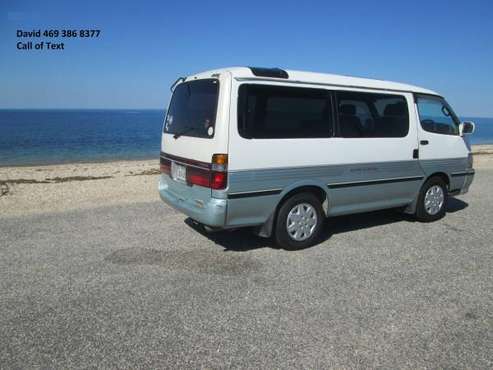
[(83, 33)]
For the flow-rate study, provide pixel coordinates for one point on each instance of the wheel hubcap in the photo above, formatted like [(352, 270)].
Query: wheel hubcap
[(301, 221), (434, 198)]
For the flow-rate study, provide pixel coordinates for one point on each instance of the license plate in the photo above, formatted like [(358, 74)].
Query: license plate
[(178, 172)]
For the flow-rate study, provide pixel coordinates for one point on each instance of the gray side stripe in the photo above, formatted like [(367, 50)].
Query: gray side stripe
[(373, 182), (465, 173), (259, 193), (405, 164), (340, 175)]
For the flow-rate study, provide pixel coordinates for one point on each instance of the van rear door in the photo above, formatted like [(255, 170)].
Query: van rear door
[(195, 128)]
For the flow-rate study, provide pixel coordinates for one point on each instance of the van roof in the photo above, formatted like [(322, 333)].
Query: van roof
[(312, 78)]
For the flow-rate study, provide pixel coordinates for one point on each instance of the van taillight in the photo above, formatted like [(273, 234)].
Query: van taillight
[(219, 180), (213, 175), (219, 175), (209, 179), (198, 176), (165, 166), (215, 178)]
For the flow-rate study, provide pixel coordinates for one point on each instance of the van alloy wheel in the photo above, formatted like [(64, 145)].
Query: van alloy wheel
[(434, 199), (301, 221)]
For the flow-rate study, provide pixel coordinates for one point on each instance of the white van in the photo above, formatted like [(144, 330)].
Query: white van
[(281, 150)]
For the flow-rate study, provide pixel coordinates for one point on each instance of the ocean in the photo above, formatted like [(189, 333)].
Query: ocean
[(29, 137), (61, 136)]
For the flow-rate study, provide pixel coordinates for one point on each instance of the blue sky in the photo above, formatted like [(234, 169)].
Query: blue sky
[(443, 45)]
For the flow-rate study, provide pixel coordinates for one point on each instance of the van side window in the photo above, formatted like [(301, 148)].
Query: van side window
[(436, 116), (372, 115), (284, 112)]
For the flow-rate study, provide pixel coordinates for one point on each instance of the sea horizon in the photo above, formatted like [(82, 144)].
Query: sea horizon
[(80, 109), (44, 136), (462, 117)]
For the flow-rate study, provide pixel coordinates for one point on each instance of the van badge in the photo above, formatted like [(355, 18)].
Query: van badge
[(363, 169)]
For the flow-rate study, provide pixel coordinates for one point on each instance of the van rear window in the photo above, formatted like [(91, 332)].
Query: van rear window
[(192, 111)]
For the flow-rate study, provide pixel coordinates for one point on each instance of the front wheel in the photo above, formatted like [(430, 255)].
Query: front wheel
[(299, 221), (432, 200)]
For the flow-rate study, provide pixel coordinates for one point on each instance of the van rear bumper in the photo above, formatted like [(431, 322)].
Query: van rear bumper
[(210, 212)]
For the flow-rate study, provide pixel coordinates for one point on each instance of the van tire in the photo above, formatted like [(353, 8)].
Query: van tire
[(422, 212), (302, 202)]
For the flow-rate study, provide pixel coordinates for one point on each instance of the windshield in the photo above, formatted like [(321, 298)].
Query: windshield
[(192, 111)]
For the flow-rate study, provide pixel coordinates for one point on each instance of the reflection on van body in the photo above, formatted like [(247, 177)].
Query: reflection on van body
[(282, 150)]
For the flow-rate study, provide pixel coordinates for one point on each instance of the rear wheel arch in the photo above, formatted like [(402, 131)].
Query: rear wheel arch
[(442, 175), (265, 230), (316, 190)]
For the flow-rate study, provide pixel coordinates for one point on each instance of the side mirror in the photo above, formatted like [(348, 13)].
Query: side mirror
[(466, 128)]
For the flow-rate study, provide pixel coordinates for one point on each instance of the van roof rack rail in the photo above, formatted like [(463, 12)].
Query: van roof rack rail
[(178, 80), (269, 72)]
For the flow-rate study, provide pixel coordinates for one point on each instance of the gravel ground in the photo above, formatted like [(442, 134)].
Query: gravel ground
[(77, 186), (134, 286)]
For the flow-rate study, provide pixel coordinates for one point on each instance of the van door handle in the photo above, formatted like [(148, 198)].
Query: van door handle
[(424, 142)]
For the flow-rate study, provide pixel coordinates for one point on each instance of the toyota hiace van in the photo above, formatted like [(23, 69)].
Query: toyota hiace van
[(282, 150)]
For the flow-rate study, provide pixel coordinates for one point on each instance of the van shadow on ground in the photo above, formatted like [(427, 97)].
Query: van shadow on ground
[(242, 240)]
